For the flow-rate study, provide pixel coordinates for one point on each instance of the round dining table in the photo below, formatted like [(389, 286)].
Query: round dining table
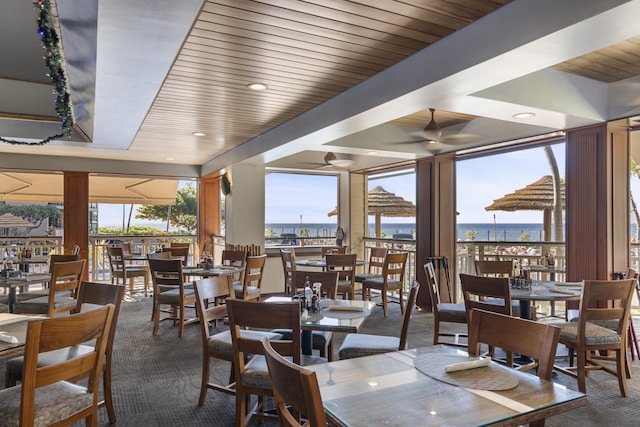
[(541, 290)]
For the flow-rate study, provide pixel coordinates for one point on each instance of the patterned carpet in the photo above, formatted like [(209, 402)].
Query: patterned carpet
[(157, 379)]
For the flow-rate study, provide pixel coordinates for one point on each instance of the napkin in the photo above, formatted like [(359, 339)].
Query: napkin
[(564, 291), (338, 307), (463, 366), (8, 338)]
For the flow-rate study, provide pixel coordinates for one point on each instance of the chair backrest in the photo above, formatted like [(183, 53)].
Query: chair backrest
[(179, 251), (180, 245), (296, 386), (595, 304), (494, 268), (344, 264), (329, 280), (236, 258), (633, 274), (166, 272), (394, 266), (126, 248), (60, 258), (376, 260), (253, 271), (411, 302), (432, 284), (263, 315), (208, 291), (536, 340), (116, 258), (329, 250), (44, 335), (159, 255), (288, 267), (66, 276), (75, 250), (475, 289)]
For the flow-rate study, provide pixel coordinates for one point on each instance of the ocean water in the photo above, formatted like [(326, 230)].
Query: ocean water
[(502, 232)]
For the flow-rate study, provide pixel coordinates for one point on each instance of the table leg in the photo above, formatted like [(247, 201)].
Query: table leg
[(525, 309), (12, 298), (307, 342)]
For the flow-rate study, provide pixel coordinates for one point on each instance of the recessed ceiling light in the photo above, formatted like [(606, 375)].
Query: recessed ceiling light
[(169, 158), (372, 153), (257, 86), (523, 115), (198, 134), (431, 141)]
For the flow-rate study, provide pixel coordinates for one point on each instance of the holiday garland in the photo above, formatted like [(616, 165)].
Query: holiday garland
[(54, 62)]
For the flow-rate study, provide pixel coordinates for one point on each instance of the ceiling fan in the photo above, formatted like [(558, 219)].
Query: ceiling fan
[(433, 133), (332, 161)]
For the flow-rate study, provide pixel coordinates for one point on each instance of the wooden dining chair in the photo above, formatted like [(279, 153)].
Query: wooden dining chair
[(294, 386), (493, 268), (288, 267), (65, 279), (374, 266), (345, 265), (250, 287), (236, 258), (252, 376), (168, 274), (123, 270), (585, 337), (359, 345), (91, 295), (320, 340), (48, 394), (447, 312), (53, 259), (179, 251), (392, 279)]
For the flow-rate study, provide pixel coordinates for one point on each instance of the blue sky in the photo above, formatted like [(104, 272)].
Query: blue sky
[(479, 182)]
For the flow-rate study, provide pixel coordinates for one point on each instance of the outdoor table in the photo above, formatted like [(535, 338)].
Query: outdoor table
[(551, 291), (393, 389), (330, 320), (22, 282)]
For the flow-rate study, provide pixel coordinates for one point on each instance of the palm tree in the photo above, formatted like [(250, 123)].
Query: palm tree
[(633, 170), (557, 197)]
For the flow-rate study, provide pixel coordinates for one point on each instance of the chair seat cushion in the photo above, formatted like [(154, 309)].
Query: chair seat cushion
[(256, 372), (41, 304), (34, 294), (594, 334), (450, 312), (319, 339), (221, 342), (361, 277), (251, 290), (137, 272), (15, 365), (378, 283), (52, 403), (173, 296), (515, 305), (359, 345)]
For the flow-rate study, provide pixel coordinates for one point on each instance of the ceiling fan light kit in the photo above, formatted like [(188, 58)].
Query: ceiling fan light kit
[(432, 131)]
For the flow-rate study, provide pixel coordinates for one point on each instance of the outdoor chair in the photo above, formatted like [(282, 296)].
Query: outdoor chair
[(91, 295), (250, 288), (294, 386), (252, 376), (320, 340), (392, 279), (122, 270), (359, 345), (345, 265), (65, 279), (443, 312), (375, 265), (592, 332), (48, 394), (168, 273)]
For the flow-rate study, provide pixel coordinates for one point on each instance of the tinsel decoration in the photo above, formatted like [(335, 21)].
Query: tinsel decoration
[(54, 62)]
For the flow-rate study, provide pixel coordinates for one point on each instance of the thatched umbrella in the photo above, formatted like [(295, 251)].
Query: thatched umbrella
[(534, 197), (8, 221), (383, 203)]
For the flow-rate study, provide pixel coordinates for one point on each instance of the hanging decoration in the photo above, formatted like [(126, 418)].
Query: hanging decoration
[(54, 62)]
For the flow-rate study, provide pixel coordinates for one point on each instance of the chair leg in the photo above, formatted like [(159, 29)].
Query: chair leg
[(205, 379), (156, 318), (436, 332), (181, 324), (9, 379), (621, 366), (582, 368), (108, 396), (384, 303)]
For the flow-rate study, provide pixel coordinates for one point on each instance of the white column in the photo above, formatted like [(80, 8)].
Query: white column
[(244, 210)]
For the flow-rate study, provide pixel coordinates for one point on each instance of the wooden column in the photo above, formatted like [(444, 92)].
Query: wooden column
[(76, 214), (208, 208), (435, 221), (597, 201)]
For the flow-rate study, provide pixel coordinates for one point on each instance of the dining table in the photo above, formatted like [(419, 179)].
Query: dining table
[(13, 325), (545, 290), (23, 281), (218, 270), (321, 263), (345, 316), (411, 387)]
